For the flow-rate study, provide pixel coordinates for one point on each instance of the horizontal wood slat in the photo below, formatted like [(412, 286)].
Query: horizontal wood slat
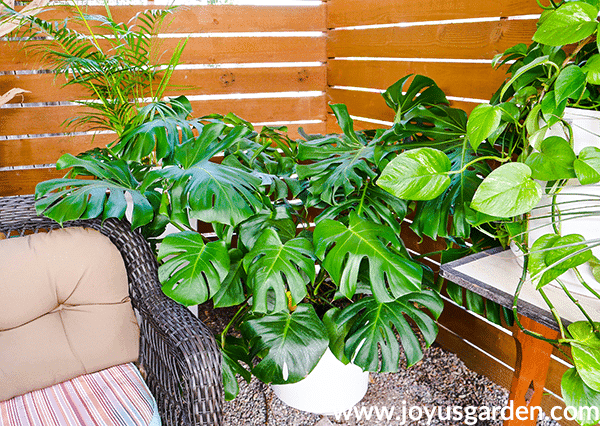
[(203, 50), (372, 105), (215, 18), (478, 40), (483, 364), (46, 150), (346, 13), (40, 120), (466, 80), (19, 182), (48, 87), (24, 152)]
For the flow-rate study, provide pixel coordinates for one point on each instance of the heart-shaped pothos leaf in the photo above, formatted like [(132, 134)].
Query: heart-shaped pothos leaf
[(274, 267), (374, 328), (193, 271), (289, 343), (343, 248)]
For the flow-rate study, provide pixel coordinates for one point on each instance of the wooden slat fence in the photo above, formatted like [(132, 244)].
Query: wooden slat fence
[(252, 59)]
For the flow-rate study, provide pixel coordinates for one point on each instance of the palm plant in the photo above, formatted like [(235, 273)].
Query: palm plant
[(119, 65)]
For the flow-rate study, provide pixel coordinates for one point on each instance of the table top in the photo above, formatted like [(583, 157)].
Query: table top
[(494, 274)]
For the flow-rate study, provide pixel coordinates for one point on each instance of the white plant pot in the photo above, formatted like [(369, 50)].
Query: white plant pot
[(586, 132), (330, 388)]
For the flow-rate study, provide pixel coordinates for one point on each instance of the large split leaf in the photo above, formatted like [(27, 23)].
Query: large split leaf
[(581, 397), (507, 191), (421, 91), (339, 163), (290, 344), (557, 253), (342, 250), (374, 327), (233, 352), (419, 174), (194, 270), (70, 199), (274, 267), (586, 353)]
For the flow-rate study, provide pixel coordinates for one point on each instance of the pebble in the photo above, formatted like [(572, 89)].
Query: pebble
[(441, 379)]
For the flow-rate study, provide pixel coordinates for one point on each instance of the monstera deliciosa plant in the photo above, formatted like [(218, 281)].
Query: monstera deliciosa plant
[(299, 283), (523, 132)]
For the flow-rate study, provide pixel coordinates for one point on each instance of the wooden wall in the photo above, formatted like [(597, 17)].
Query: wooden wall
[(373, 43), (32, 134)]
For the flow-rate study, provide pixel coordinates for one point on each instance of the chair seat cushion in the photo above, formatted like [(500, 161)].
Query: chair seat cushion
[(115, 396)]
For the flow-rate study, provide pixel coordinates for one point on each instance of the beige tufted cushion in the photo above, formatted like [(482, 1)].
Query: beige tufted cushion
[(64, 309)]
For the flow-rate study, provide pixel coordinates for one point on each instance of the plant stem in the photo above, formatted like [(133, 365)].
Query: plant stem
[(470, 163), (576, 302), (362, 199), (243, 309), (586, 285), (561, 327)]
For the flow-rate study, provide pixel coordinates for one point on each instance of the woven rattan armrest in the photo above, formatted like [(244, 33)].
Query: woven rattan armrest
[(178, 354)]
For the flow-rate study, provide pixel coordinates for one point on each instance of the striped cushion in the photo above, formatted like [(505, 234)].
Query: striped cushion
[(115, 396)]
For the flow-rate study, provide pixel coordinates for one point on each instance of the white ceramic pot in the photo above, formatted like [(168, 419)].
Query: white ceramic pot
[(330, 388), (574, 197)]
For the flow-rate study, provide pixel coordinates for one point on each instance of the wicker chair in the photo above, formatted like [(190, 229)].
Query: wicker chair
[(178, 354)]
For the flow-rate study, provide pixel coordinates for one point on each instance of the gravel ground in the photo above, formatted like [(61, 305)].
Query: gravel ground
[(440, 379)]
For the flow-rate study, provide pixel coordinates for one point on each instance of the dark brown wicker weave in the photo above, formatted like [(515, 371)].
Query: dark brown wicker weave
[(178, 353)]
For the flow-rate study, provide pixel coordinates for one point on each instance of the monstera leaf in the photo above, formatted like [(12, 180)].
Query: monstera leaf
[(422, 91), (290, 344), (233, 352), (70, 199), (193, 271), (338, 162), (342, 250), (375, 324), (379, 206), (274, 267)]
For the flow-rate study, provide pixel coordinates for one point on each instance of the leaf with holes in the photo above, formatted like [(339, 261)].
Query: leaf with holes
[(276, 267), (343, 248), (374, 328), (289, 343), (193, 271)]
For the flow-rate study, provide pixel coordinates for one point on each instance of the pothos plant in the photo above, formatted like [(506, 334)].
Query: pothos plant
[(560, 68), (345, 281)]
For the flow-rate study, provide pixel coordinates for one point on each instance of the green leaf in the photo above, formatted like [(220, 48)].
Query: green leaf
[(344, 121), (342, 250), (419, 174), (554, 160), (484, 119), (339, 165), (276, 267), (570, 23), (72, 199), (569, 84), (290, 344), (231, 292), (280, 221), (455, 292), (193, 271), (492, 312), (587, 166), (421, 91), (475, 302), (234, 351), (592, 69), (547, 252), (337, 333), (579, 396), (507, 191), (373, 333), (586, 353)]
